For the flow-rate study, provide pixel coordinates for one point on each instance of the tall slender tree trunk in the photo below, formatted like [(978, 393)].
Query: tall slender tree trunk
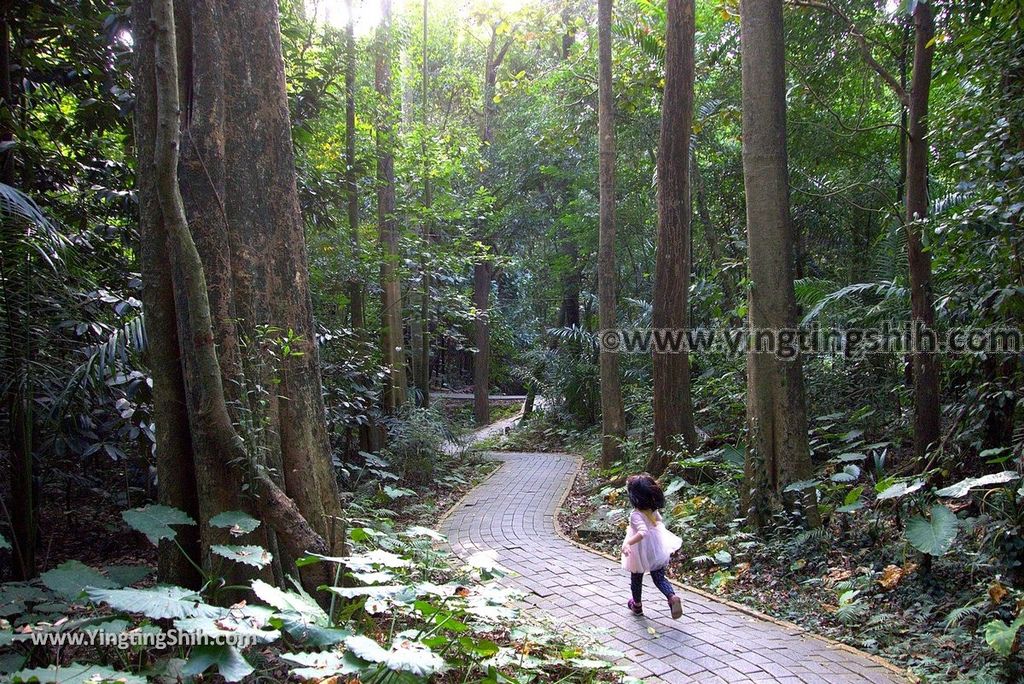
[(423, 376), (355, 290), (926, 365), (673, 405), (481, 339), (777, 449), (391, 309), (482, 269), (711, 239), (613, 418)]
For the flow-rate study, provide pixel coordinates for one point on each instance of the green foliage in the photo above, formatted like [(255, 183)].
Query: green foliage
[(933, 535), (155, 521), (256, 556), (75, 673), (238, 523), (1003, 637)]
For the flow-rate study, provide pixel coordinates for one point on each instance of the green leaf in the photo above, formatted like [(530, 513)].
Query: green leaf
[(963, 487), (898, 490), (76, 673), (155, 521), (229, 661), (405, 655), (256, 556), (849, 473), (161, 602), (303, 630), (4, 544), (323, 665), (1001, 636), (229, 627), (377, 557), (934, 536), (127, 575), (419, 531), (69, 579), (237, 522), (397, 492), (851, 457), (801, 485), (290, 601), (484, 648)]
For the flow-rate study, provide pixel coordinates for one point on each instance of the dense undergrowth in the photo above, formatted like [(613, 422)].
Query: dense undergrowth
[(889, 571), (401, 609)]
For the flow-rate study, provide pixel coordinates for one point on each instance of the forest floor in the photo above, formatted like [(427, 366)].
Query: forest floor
[(80, 519), (853, 581), (897, 612)]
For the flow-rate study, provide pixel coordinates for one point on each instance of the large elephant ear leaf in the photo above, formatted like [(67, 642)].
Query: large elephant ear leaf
[(76, 673), (933, 536), (237, 523), (230, 663), (159, 603), (964, 487), (256, 556), (155, 521), (69, 579), (1001, 636)]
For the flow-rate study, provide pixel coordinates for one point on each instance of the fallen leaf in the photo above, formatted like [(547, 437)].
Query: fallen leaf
[(836, 575), (997, 592), (894, 574)]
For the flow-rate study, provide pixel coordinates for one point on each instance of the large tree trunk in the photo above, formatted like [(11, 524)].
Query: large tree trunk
[(673, 405), (777, 449), (391, 306), (613, 418), (227, 221), (926, 365)]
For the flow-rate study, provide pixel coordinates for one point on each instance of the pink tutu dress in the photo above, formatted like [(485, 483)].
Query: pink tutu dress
[(654, 550)]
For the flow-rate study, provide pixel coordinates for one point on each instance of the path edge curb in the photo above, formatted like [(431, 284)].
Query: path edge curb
[(747, 610)]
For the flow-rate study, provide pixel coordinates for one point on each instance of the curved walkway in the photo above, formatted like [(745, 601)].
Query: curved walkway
[(513, 512)]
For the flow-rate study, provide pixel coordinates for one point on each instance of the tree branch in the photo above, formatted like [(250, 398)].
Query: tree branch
[(862, 44)]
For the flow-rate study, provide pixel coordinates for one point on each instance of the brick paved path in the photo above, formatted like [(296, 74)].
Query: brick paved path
[(513, 513)]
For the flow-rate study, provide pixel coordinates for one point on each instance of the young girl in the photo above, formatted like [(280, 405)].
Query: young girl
[(648, 544)]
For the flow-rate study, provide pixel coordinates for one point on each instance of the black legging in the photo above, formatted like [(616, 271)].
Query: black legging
[(636, 583)]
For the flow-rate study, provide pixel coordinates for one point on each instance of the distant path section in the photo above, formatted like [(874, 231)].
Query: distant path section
[(514, 513), (468, 396)]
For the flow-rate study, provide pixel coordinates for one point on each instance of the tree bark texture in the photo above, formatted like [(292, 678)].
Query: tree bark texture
[(926, 365), (673, 405), (613, 417), (777, 449), (392, 338), (224, 262)]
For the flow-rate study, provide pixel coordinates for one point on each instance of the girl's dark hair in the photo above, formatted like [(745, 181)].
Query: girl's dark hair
[(645, 493)]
